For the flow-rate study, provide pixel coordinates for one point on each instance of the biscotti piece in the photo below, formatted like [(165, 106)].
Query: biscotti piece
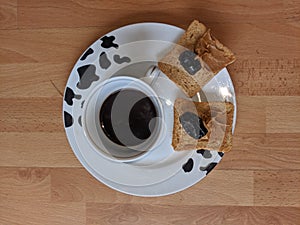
[(192, 35), (196, 59), (214, 53), (202, 125), (183, 66), (185, 69)]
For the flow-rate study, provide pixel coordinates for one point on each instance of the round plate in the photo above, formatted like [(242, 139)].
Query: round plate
[(105, 58)]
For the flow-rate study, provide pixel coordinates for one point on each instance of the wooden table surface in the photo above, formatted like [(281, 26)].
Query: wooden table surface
[(41, 181)]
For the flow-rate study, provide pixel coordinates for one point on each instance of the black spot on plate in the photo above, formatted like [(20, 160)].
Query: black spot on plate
[(69, 95), (193, 125), (189, 63), (87, 75), (79, 121), (104, 61), (86, 54), (68, 119), (121, 60), (188, 166), (209, 167), (82, 103), (221, 154), (108, 42), (205, 153)]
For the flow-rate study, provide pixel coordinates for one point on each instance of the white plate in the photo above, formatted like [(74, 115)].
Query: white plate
[(170, 173)]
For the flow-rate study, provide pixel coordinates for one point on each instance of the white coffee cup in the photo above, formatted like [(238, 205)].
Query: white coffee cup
[(96, 135)]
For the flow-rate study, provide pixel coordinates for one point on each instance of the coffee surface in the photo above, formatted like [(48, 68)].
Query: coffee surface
[(127, 117)]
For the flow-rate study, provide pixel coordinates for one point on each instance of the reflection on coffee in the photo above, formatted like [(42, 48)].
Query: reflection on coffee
[(127, 117)]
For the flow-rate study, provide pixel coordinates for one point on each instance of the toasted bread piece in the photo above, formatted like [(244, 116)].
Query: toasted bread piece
[(196, 59), (202, 125), (183, 66), (192, 35), (214, 53), (174, 69)]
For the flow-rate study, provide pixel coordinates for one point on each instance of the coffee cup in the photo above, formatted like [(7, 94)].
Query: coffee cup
[(123, 119)]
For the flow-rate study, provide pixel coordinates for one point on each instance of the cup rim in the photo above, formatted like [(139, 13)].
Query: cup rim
[(90, 139)]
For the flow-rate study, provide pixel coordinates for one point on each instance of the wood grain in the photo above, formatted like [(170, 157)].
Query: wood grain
[(8, 14), (36, 149), (24, 184), (31, 115), (283, 115), (251, 115), (42, 182), (33, 213), (33, 79), (36, 14), (276, 114), (263, 152), (123, 214), (261, 77), (280, 188), (45, 45)]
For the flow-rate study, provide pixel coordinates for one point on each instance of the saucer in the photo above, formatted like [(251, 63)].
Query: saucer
[(163, 171)]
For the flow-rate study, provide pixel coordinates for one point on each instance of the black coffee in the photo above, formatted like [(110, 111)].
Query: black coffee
[(123, 129)]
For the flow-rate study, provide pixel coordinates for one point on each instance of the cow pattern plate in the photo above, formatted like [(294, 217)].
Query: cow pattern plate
[(103, 58)]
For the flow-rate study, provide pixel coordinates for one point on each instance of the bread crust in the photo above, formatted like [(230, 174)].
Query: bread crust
[(213, 52)]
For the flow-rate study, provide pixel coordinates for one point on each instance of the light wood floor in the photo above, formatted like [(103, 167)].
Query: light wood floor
[(41, 181)]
